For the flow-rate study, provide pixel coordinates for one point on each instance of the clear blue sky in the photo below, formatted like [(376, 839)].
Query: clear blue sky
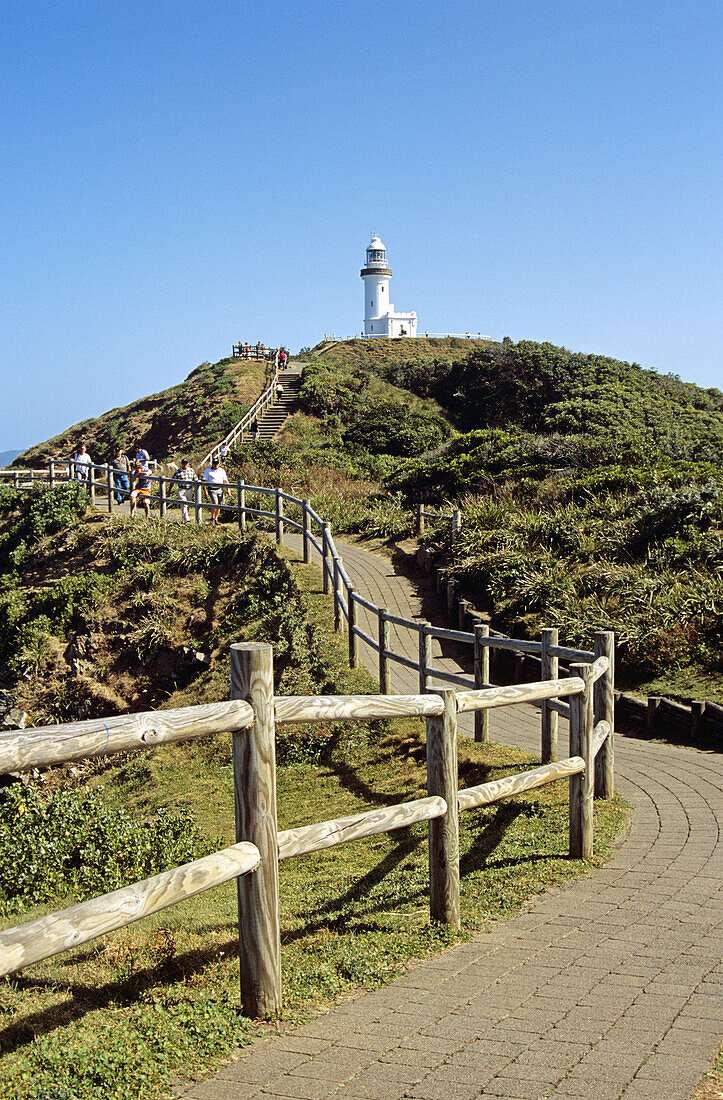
[(179, 175)]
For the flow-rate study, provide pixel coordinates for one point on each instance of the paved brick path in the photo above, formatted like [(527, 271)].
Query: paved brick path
[(608, 987)]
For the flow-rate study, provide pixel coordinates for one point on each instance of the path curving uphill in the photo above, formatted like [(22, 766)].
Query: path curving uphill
[(608, 987)]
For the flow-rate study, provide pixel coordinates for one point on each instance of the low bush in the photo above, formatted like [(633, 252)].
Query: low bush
[(73, 842)]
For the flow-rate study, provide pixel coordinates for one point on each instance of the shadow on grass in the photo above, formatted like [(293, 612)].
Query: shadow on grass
[(85, 998)]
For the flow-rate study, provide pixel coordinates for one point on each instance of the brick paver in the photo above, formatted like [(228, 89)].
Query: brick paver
[(607, 987)]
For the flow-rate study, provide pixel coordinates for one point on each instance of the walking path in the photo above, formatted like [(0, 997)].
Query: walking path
[(607, 987)]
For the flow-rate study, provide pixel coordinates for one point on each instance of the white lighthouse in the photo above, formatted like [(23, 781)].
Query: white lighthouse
[(379, 316)]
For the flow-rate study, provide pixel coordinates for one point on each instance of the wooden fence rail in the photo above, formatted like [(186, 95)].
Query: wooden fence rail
[(251, 715)]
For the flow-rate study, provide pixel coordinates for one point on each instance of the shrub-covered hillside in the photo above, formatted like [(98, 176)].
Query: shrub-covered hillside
[(592, 492), (100, 615), (559, 533), (372, 353), (185, 419), (591, 487), (553, 391)]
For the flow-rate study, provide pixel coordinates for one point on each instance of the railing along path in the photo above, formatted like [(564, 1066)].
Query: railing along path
[(251, 716)]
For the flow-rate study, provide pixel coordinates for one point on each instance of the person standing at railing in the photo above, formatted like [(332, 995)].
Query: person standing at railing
[(224, 451), (142, 456), (80, 464), (121, 472), (214, 478), (141, 488), (186, 477), (283, 357)]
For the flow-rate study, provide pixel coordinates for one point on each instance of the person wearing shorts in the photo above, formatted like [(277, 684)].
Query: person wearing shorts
[(140, 489), (214, 479)]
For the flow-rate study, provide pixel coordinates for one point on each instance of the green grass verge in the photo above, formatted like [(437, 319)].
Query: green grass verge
[(124, 1016)]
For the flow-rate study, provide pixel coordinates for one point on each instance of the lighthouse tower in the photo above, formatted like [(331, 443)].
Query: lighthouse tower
[(379, 316)]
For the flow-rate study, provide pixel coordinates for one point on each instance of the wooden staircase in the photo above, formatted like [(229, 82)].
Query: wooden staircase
[(285, 404)]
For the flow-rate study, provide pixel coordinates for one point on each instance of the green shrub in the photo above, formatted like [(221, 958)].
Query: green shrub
[(72, 842)]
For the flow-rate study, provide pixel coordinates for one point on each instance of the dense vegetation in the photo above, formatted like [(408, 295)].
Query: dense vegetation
[(591, 491), (551, 391), (591, 488), (109, 615)]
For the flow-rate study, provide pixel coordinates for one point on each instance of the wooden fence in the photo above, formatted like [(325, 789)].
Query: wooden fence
[(252, 351), (252, 715)]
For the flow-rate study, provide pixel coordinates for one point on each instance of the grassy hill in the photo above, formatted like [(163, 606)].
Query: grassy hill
[(592, 489), (185, 419), (380, 352)]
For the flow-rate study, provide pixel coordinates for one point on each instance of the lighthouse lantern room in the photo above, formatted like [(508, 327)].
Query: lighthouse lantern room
[(379, 316)]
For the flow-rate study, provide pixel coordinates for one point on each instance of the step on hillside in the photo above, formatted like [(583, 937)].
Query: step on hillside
[(285, 404)]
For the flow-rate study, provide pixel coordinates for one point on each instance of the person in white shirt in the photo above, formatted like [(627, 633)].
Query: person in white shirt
[(186, 477), (80, 464), (214, 479)]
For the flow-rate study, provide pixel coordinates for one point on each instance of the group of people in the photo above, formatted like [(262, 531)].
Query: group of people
[(259, 351), (132, 480)]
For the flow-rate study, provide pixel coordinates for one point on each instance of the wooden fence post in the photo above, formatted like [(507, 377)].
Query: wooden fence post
[(51, 473), (162, 495), (197, 507), (241, 505), (279, 518), (425, 655), (351, 623), (16, 479), (109, 478), (697, 719), (652, 715), (420, 520), (604, 710), (383, 647), (463, 607), (549, 717), (450, 598), (582, 786), (305, 519), (91, 484), (325, 540), (456, 524), (481, 679), (336, 562), (444, 831), (254, 763)]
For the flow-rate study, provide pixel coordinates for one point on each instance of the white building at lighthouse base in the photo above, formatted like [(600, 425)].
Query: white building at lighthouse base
[(380, 318)]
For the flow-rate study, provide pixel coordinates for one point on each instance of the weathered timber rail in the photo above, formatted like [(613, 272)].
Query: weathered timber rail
[(251, 716)]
